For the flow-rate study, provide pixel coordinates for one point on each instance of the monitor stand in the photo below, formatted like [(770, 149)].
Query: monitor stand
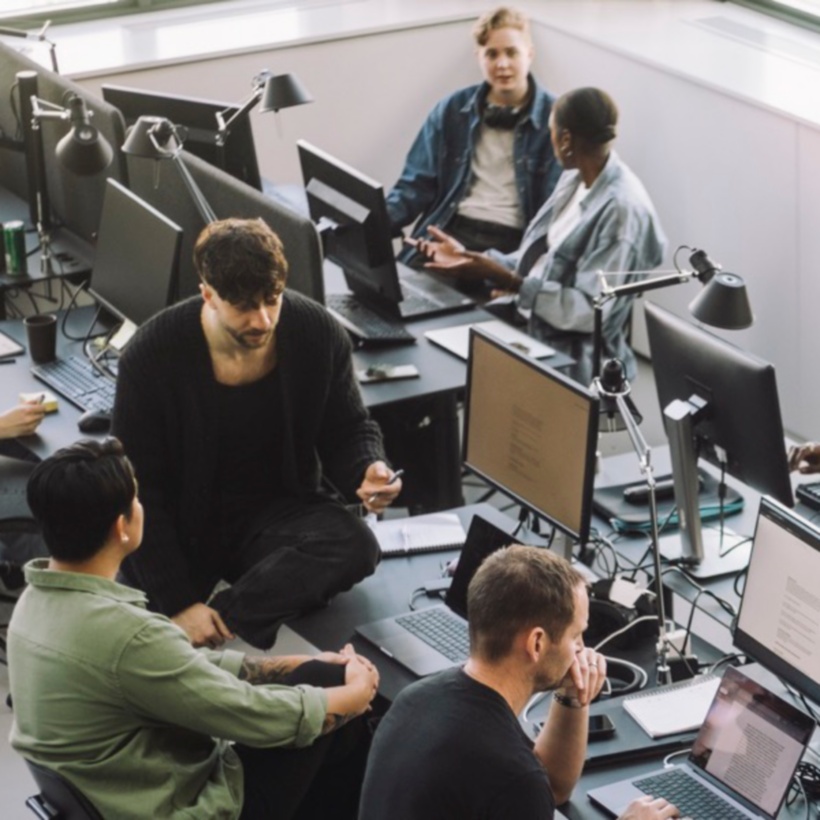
[(724, 556)]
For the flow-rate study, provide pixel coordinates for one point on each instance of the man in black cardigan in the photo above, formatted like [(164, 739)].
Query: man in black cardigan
[(232, 407)]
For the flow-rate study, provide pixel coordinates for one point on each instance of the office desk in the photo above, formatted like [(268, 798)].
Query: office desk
[(71, 255), (386, 593), (57, 429)]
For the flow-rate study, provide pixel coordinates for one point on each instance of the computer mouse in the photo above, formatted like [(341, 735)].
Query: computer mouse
[(94, 421)]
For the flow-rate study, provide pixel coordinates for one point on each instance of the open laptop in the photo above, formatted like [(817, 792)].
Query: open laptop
[(350, 211), (743, 758), (432, 639)]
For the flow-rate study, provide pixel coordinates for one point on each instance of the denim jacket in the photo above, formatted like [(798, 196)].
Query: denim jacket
[(438, 171), (619, 231)]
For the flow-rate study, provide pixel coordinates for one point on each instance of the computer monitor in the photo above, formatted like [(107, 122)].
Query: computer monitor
[(72, 201), (198, 117), (779, 611), (531, 432), (350, 212), (719, 403), (162, 186), (137, 256)]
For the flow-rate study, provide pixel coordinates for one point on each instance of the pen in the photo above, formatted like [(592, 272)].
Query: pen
[(398, 474), (8, 360)]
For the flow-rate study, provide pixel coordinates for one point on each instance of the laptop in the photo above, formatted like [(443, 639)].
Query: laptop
[(743, 758), (429, 640)]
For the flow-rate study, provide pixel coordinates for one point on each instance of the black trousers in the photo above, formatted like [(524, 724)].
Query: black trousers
[(323, 780), (290, 558)]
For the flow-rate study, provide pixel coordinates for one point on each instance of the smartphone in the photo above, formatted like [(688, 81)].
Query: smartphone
[(600, 727)]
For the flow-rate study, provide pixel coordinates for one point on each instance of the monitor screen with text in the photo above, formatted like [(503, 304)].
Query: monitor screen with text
[(779, 620), (530, 431)]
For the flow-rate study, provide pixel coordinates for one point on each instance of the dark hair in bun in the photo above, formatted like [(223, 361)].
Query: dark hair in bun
[(588, 114)]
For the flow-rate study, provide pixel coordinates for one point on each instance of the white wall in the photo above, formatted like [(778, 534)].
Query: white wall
[(367, 108), (728, 175)]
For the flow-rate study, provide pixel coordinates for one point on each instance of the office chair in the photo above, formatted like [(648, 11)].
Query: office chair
[(58, 799)]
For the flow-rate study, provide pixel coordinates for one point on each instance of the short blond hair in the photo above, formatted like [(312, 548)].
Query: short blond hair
[(502, 17)]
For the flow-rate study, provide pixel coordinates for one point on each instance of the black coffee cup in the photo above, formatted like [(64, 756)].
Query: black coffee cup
[(42, 337)]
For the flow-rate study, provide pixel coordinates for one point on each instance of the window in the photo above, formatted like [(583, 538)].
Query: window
[(29, 14), (803, 12)]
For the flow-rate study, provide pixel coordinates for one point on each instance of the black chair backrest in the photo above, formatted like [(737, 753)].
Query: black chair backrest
[(58, 795)]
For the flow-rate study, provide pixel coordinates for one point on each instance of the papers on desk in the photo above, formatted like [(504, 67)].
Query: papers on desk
[(680, 707), (436, 532), (9, 347), (457, 339)]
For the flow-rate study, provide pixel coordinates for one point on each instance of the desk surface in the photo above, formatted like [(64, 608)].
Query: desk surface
[(386, 593)]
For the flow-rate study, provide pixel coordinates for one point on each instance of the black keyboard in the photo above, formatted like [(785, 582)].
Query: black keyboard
[(442, 630), (77, 380), (809, 494), (690, 797), (366, 323)]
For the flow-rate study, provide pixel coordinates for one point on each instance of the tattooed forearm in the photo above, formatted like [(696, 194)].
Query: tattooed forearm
[(257, 670), (333, 722)]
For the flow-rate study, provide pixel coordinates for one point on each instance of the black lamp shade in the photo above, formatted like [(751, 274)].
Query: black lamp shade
[(723, 303), (83, 150), (283, 91), (152, 138)]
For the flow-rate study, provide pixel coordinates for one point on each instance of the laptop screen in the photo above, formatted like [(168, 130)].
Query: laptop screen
[(751, 741), (483, 539)]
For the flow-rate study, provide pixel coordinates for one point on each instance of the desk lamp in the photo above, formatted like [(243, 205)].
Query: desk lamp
[(722, 303), (158, 138), (82, 151), (39, 36), (273, 91)]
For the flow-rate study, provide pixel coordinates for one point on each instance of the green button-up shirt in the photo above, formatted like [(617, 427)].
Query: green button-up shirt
[(115, 699)]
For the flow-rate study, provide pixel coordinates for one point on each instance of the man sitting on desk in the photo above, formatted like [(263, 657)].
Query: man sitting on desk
[(451, 746), (234, 406)]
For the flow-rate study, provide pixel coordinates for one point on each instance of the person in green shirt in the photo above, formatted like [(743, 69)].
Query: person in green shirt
[(116, 700)]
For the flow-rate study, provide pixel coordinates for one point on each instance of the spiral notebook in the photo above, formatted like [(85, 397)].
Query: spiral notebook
[(435, 532), (679, 707)]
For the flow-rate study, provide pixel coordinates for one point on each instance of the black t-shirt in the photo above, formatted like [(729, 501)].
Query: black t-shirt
[(451, 748), (249, 448)]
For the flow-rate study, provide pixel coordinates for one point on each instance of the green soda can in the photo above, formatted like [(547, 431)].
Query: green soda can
[(14, 239)]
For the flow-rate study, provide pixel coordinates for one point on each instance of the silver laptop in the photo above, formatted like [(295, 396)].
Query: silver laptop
[(432, 639), (741, 763)]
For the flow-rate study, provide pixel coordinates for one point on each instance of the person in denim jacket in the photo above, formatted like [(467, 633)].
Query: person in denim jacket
[(482, 164), (599, 218)]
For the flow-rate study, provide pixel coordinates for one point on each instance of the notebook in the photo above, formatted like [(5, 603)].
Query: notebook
[(9, 347), (457, 339), (435, 532), (743, 758), (399, 637), (669, 710)]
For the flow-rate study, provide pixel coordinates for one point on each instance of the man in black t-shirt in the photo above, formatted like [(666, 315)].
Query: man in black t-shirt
[(451, 746)]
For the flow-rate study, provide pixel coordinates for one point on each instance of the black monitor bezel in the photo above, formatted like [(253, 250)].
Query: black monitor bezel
[(334, 191), (236, 157), (684, 359), (590, 444), (741, 639), (105, 300)]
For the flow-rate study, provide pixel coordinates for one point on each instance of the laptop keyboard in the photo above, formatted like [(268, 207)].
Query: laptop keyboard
[(690, 797), (442, 630), (77, 380), (419, 290), (365, 323)]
